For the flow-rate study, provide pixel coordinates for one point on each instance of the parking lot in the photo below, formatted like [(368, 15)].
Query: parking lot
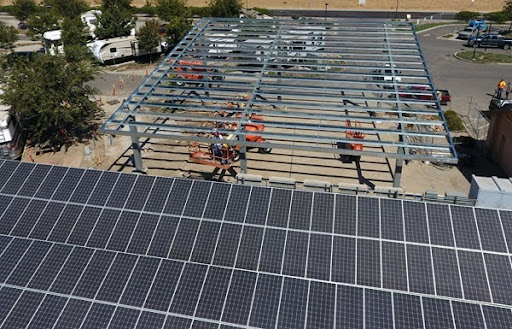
[(464, 80)]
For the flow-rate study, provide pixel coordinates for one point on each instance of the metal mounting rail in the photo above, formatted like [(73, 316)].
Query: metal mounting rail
[(308, 79)]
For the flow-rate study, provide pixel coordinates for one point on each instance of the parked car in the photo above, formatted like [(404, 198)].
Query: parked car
[(500, 104), (490, 40), (468, 32)]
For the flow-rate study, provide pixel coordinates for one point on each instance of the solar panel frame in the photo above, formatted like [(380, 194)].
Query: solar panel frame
[(255, 254), (35, 180)]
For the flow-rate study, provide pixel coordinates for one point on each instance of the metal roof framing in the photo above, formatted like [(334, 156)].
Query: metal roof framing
[(311, 80)]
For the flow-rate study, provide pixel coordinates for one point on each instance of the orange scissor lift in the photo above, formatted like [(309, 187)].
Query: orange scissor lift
[(354, 135)]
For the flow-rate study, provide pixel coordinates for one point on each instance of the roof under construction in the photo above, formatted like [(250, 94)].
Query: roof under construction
[(315, 85)]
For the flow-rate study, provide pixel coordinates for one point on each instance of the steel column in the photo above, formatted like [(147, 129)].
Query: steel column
[(136, 156)]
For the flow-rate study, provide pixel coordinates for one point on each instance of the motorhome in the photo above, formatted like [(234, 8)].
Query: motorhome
[(9, 134), (90, 20), (121, 49), (52, 42)]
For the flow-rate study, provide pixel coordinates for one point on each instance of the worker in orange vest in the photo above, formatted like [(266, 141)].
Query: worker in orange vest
[(501, 87)]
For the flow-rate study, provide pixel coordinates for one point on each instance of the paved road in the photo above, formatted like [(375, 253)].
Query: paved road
[(463, 79), (365, 14)]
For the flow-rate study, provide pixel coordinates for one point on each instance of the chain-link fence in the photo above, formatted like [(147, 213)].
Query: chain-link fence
[(477, 123)]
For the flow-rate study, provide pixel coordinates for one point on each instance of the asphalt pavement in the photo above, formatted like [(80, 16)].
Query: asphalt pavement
[(462, 78)]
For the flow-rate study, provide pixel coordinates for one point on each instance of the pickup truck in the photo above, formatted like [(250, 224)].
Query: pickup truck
[(490, 40), (422, 93)]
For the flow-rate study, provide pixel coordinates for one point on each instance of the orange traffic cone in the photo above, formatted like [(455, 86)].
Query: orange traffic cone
[(121, 83), (114, 91), (147, 72), (133, 77), (100, 103), (30, 155)]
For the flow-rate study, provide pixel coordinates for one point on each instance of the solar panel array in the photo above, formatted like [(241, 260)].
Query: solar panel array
[(90, 249)]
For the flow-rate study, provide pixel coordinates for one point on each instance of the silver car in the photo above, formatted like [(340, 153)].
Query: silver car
[(467, 32)]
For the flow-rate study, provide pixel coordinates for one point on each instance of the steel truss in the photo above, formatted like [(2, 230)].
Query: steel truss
[(311, 80)]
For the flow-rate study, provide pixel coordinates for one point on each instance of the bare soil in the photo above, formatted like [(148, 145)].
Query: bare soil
[(404, 5)]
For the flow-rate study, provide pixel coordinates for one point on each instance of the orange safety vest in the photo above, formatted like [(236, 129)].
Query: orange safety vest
[(501, 84)]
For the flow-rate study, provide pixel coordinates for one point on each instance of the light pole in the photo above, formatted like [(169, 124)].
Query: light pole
[(396, 10), (325, 17)]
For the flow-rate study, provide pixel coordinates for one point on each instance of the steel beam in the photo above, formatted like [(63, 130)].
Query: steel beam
[(304, 102)]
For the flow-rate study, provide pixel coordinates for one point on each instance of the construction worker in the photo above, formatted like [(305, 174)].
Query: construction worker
[(217, 147), (501, 87), (507, 91)]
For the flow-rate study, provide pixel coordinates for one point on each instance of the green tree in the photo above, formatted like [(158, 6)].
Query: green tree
[(8, 36), (53, 99), (498, 17), (148, 36), (67, 8), (74, 39), (22, 9), (40, 23), (167, 9), (507, 9), (123, 4), (116, 19), (176, 30), (225, 8), (466, 15)]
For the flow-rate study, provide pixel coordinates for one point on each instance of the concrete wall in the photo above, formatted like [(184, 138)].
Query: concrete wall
[(499, 140)]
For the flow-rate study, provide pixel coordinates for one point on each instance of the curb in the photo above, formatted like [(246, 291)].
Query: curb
[(470, 61), (436, 27)]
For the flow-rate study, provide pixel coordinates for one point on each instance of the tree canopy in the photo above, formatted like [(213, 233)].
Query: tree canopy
[(41, 22), (116, 19), (167, 9), (176, 30), (67, 8), (148, 36), (225, 8), (22, 9), (52, 99), (74, 39), (8, 36)]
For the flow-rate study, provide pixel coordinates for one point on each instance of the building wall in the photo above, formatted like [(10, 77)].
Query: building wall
[(499, 140)]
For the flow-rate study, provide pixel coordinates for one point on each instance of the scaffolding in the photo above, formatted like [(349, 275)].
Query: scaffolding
[(307, 81)]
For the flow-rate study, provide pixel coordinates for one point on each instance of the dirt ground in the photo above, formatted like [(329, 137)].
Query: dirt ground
[(404, 5), (170, 157)]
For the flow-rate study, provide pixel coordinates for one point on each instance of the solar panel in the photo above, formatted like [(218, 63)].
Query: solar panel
[(292, 259)]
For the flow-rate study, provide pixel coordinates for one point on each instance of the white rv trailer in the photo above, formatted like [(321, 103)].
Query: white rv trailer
[(8, 133), (115, 50), (222, 43), (52, 42), (90, 19)]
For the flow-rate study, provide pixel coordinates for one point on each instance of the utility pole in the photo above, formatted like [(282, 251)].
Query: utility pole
[(396, 10), (325, 17)]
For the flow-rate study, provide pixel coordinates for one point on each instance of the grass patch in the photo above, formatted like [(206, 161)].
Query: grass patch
[(447, 36), (263, 11), (421, 27), (453, 121), (485, 57)]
